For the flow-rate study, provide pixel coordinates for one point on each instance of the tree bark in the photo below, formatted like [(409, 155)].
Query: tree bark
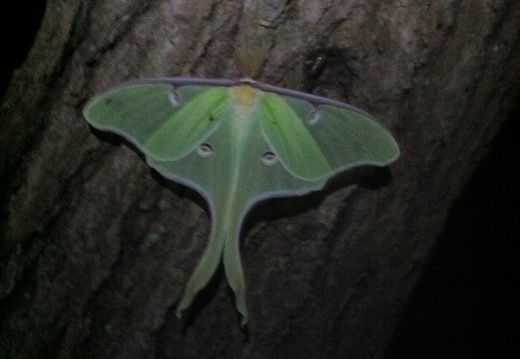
[(96, 248)]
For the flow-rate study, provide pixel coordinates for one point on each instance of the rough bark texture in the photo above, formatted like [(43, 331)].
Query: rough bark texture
[(96, 248)]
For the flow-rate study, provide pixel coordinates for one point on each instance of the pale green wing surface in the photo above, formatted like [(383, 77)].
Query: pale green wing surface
[(291, 140), (149, 115), (315, 141)]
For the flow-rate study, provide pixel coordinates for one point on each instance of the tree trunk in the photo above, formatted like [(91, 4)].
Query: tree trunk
[(96, 248)]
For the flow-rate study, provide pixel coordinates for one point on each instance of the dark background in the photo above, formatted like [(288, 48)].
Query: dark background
[(464, 303)]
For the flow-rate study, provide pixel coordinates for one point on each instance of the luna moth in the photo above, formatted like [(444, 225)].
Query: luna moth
[(238, 142)]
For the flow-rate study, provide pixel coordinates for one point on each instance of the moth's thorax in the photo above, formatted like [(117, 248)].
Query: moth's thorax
[(244, 95), (245, 99)]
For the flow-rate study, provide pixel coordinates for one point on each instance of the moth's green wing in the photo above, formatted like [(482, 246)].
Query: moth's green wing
[(170, 125), (314, 141), (149, 114)]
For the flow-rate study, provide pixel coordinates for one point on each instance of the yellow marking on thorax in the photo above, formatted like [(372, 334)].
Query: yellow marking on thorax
[(244, 99), (244, 95)]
